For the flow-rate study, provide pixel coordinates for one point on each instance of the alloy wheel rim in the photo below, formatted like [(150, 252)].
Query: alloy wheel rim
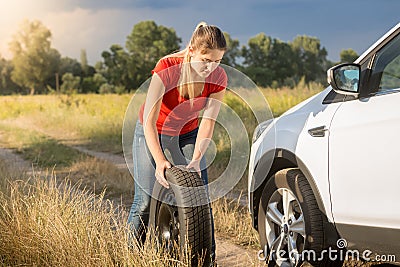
[(168, 225), (168, 222), (285, 228)]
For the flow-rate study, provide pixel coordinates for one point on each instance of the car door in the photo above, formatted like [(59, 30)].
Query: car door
[(364, 153)]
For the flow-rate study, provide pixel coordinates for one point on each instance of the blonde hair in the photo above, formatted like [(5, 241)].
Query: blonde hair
[(203, 38)]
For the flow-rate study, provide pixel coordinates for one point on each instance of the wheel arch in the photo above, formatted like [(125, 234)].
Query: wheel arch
[(278, 159)]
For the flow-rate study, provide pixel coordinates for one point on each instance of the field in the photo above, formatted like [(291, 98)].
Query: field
[(97, 120), (61, 214)]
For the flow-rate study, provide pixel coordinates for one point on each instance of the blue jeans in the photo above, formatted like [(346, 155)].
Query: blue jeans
[(179, 150)]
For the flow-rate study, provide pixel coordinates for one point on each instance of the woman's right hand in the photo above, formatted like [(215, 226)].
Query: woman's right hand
[(160, 172)]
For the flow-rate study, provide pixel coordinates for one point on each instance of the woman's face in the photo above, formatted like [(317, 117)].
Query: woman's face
[(205, 63)]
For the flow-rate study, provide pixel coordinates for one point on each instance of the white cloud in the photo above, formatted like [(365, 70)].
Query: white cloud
[(93, 28), (72, 29), (97, 30), (81, 28)]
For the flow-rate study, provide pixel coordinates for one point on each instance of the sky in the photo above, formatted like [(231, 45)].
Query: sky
[(94, 25)]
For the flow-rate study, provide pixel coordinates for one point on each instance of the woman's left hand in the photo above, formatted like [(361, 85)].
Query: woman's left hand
[(194, 164)]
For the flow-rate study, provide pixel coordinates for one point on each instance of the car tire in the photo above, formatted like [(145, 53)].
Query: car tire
[(290, 221), (181, 215)]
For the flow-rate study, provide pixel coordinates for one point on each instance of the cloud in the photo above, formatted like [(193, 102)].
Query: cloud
[(12, 13), (118, 4), (95, 25), (93, 30), (157, 4), (97, 30)]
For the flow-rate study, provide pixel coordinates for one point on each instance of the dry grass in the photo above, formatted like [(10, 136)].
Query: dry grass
[(51, 221), (7, 174), (282, 99), (45, 223), (233, 221), (99, 176)]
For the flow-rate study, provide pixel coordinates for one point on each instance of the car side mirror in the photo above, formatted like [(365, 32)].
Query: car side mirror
[(345, 78)]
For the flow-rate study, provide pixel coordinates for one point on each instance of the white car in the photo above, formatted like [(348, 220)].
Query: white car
[(323, 182)]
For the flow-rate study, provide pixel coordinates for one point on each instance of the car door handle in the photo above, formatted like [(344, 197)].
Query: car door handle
[(318, 131)]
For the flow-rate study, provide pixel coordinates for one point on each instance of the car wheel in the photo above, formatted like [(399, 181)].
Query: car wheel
[(290, 221), (180, 217)]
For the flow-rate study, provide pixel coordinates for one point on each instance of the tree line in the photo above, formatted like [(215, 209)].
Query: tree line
[(37, 67)]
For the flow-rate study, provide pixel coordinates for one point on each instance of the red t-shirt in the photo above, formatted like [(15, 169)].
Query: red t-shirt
[(176, 115)]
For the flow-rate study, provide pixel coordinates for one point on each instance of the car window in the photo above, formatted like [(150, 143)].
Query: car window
[(386, 71), (391, 76)]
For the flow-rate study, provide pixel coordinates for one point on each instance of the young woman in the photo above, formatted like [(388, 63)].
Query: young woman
[(183, 84)]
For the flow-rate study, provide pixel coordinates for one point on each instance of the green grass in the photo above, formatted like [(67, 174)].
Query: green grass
[(42, 151), (96, 120)]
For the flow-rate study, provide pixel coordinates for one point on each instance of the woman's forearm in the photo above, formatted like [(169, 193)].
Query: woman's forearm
[(151, 135), (203, 139), (150, 115), (207, 124)]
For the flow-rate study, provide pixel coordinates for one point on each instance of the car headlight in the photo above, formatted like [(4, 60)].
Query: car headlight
[(260, 129)]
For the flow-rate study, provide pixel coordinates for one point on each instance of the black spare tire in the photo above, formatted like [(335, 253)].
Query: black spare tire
[(181, 215)]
